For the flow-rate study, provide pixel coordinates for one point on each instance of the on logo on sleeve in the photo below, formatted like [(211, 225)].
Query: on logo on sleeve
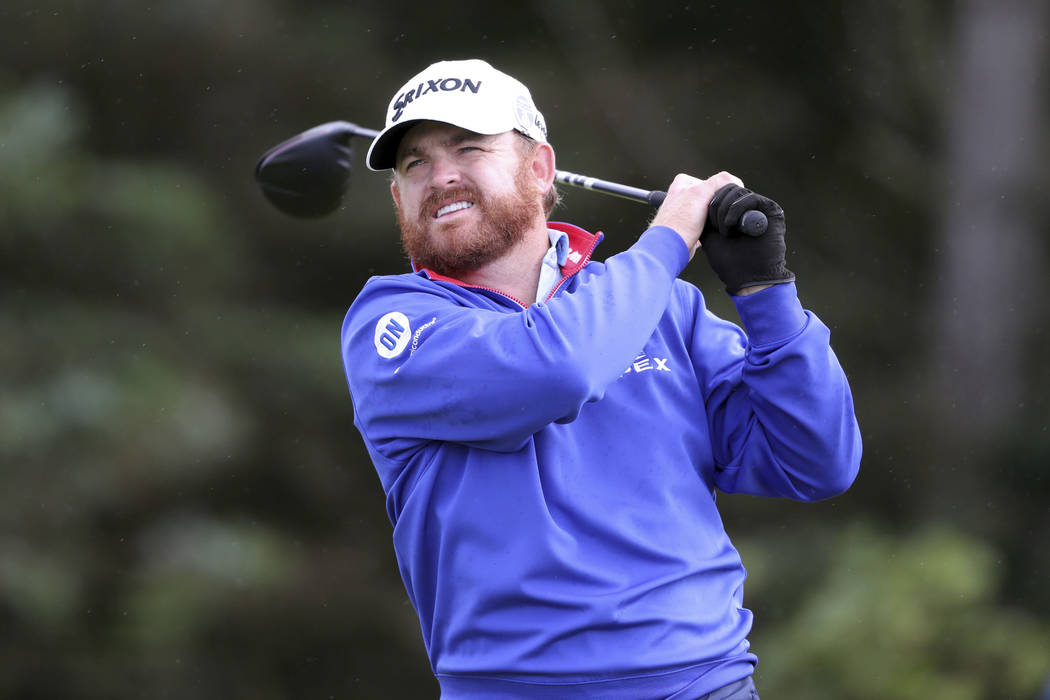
[(392, 335)]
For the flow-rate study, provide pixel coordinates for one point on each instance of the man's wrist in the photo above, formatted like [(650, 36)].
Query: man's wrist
[(772, 316), (747, 291)]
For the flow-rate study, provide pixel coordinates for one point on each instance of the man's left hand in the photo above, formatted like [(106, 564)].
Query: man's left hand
[(744, 262)]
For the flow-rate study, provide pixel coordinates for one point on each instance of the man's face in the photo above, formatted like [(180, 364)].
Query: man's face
[(463, 199)]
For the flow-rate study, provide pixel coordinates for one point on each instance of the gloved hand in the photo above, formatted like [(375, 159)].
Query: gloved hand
[(741, 260)]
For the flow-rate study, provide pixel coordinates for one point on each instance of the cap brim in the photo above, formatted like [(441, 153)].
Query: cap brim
[(382, 154)]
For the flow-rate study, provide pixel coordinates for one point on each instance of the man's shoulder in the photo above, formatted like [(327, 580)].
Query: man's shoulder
[(404, 282), (396, 280), (381, 289)]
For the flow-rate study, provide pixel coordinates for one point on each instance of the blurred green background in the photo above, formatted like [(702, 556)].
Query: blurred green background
[(187, 510)]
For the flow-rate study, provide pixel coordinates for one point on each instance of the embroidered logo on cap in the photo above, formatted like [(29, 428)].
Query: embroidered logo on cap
[(529, 120), (435, 85)]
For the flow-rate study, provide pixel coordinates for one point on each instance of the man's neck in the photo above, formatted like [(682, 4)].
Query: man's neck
[(517, 273)]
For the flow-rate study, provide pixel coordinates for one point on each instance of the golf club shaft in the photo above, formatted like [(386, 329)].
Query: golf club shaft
[(651, 197), (752, 223)]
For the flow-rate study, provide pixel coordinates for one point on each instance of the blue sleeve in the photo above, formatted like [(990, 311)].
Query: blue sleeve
[(779, 408), (488, 378)]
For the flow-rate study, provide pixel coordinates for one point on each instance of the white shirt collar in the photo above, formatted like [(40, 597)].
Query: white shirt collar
[(550, 268)]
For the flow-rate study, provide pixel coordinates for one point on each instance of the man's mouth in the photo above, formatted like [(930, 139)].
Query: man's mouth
[(449, 208)]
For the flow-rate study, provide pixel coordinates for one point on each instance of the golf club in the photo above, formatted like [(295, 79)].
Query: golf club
[(307, 175)]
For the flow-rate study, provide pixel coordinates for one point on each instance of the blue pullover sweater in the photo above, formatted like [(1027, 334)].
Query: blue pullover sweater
[(550, 470)]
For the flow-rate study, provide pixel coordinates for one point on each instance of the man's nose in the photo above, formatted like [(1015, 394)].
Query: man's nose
[(444, 171)]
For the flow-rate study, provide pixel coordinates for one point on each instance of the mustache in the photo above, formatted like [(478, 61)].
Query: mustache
[(438, 198)]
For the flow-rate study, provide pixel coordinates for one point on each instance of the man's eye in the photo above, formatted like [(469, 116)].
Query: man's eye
[(467, 149), (412, 163)]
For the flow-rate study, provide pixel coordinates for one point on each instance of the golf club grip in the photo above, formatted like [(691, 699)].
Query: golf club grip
[(753, 222), (656, 198)]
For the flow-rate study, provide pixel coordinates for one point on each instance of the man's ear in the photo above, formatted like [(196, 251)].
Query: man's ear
[(543, 165), (395, 193)]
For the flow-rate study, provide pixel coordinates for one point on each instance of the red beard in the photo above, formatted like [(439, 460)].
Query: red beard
[(505, 220)]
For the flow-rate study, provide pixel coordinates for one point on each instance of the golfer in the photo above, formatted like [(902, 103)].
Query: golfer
[(550, 431)]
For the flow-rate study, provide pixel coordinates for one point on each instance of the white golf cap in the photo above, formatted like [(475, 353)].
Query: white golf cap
[(470, 94)]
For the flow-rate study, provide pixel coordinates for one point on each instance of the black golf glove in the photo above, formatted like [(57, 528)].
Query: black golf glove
[(739, 259)]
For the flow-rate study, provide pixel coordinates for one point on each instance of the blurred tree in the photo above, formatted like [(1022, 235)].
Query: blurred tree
[(989, 268), (166, 483), (908, 616)]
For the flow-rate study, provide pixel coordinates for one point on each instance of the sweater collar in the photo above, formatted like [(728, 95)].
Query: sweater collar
[(581, 246)]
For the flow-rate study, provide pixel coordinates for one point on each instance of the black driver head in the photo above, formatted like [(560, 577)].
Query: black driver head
[(307, 175)]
